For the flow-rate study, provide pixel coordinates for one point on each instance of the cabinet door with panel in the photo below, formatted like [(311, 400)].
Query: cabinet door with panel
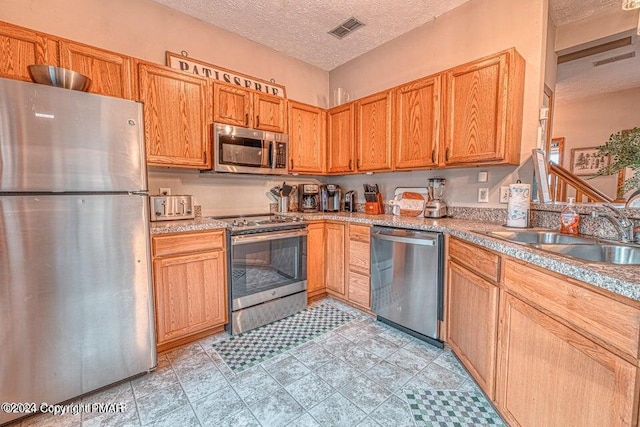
[(269, 112), (176, 117), (472, 323), (484, 111), (110, 72), (20, 47), (549, 375), (316, 260), (190, 295), (335, 259), (307, 134), (373, 132), (417, 124), (231, 105), (340, 142)]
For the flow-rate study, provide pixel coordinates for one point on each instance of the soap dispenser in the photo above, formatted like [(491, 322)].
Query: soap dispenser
[(569, 218)]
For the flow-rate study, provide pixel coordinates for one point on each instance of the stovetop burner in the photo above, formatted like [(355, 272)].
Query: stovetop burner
[(261, 222)]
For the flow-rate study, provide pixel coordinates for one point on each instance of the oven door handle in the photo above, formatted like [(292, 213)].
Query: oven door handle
[(265, 237)]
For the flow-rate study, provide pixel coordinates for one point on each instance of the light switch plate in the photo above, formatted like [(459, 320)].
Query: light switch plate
[(483, 195), (504, 194), (165, 191)]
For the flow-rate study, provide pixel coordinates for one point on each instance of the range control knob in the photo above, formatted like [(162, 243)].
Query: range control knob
[(245, 222), (235, 223)]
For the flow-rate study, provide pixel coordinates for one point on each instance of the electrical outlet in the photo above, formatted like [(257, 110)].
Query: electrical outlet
[(483, 195), (165, 191), (504, 194)]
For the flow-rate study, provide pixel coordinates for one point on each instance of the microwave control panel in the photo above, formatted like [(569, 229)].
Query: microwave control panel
[(281, 155)]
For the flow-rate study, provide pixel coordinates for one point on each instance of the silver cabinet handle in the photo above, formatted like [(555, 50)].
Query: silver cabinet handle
[(265, 237)]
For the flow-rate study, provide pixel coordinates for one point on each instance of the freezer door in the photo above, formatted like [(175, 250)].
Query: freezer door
[(75, 295), (56, 140)]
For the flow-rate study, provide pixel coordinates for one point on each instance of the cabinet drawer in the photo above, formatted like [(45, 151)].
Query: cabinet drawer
[(172, 244), (359, 256), (359, 289), (595, 315), (477, 259), (361, 233)]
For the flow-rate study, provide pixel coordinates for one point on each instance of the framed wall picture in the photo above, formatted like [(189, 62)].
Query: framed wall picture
[(586, 161)]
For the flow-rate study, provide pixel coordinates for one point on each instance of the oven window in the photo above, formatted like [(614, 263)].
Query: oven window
[(261, 266), (238, 151)]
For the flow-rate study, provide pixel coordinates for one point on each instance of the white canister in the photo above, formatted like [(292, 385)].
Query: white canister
[(518, 205)]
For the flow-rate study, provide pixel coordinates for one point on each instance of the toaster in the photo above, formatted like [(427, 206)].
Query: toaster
[(165, 208)]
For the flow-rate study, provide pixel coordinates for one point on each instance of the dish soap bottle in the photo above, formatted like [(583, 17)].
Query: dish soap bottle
[(569, 218)]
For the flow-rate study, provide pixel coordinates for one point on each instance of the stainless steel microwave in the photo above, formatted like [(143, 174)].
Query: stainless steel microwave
[(242, 150)]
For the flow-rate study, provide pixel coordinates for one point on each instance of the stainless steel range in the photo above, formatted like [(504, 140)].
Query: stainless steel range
[(268, 269)]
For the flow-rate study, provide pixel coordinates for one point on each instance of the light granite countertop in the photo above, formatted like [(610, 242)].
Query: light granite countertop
[(621, 280)]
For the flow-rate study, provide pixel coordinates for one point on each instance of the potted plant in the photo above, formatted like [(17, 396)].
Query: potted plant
[(624, 149)]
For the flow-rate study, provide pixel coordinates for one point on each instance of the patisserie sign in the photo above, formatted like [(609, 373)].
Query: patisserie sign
[(202, 69)]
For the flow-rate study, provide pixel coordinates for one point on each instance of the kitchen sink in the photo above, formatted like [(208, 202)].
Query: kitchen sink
[(539, 237), (583, 248), (599, 252)]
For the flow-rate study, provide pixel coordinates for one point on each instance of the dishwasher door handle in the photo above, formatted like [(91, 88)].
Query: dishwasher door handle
[(412, 240)]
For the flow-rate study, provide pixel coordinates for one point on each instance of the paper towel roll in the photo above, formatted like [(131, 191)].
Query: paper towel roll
[(518, 205)]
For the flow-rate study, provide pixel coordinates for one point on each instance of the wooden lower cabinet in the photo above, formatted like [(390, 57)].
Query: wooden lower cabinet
[(335, 259), (549, 375), (472, 322), (189, 286), (359, 283), (316, 260)]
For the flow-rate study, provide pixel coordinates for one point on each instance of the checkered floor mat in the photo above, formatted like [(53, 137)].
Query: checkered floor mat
[(443, 408), (243, 351)]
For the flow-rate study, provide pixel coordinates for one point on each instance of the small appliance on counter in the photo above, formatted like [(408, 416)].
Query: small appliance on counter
[(409, 201), (309, 198), (436, 206), (373, 200), (330, 195), (166, 208), (350, 201)]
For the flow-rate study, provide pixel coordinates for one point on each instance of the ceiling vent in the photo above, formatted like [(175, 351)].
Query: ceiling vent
[(346, 28), (614, 59)]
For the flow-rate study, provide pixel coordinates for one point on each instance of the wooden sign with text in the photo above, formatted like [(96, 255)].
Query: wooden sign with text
[(199, 68)]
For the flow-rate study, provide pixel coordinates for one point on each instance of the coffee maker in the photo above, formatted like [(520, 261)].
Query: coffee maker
[(309, 198), (350, 201), (330, 195)]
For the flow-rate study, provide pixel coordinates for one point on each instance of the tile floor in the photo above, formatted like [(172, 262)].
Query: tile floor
[(353, 375)]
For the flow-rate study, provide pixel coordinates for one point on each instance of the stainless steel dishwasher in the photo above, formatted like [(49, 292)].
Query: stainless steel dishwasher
[(407, 280)]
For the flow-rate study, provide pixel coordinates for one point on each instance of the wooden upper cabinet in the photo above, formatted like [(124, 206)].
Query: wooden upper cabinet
[(417, 124), (373, 132), (231, 105), (549, 375), (484, 111), (110, 73), (176, 117), (340, 127), (307, 134), (20, 47), (269, 112)]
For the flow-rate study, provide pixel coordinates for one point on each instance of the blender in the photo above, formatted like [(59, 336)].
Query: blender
[(436, 207)]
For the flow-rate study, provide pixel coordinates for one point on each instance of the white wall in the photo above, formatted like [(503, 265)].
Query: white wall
[(589, 122)]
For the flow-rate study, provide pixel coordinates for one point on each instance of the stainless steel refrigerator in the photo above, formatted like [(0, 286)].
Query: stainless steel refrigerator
[(76, 303)]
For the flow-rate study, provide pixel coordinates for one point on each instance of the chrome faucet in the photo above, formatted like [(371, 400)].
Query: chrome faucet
[(623, 225)]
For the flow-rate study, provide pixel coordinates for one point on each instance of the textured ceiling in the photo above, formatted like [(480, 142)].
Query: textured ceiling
[(298, 28), (579, 78), (566, 11)]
